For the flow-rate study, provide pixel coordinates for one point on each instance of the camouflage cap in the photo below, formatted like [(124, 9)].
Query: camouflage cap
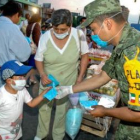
[(99, 7)]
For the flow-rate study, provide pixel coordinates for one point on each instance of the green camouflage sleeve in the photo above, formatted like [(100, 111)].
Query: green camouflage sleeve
[(109, 67)]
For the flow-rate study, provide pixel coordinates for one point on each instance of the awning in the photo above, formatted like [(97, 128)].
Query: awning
[(28, 3)]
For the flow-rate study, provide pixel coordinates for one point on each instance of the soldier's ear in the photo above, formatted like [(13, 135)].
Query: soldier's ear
[(108, 22)]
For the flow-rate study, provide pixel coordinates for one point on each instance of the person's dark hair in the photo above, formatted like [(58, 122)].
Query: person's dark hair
[(118, 18), (61, 16), (43, 26), (27, 16), (35, 18), (11, 8), (82, 18)]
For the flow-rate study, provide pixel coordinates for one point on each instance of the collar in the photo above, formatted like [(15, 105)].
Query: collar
[(5, 19), (125, 41)]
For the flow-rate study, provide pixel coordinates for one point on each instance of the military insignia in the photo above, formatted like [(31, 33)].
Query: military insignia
[(132, 73)]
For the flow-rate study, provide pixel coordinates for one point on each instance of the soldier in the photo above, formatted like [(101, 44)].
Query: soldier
[(106, 21)]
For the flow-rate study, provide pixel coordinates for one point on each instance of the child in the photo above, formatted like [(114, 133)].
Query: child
[(12, 97)]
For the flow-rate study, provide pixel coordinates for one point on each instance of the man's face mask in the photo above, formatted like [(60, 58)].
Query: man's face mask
[(101, 42), (19, 84)]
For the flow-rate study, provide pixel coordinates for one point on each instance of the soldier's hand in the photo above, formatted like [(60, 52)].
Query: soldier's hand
[(63, 91), (98, 111)]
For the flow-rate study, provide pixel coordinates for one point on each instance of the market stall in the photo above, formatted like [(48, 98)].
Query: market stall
[(109, 91), (98, 126)]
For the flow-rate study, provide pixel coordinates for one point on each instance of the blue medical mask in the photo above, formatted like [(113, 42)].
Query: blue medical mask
[(99, 42), (43, 32), (50, 95)]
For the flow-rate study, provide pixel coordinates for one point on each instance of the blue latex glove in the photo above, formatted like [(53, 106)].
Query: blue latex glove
[(56, 83)]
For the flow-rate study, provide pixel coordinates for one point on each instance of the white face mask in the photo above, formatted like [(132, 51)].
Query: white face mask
[(61, 36), (19, 84)]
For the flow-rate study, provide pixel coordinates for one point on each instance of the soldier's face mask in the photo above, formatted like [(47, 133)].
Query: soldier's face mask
[(101, 42)]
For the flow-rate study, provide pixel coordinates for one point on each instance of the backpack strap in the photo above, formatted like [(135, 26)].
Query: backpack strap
[(32, 28), (76, 34), (79, 39)]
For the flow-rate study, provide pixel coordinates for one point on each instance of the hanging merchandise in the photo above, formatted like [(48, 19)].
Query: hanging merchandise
[(73, 122)]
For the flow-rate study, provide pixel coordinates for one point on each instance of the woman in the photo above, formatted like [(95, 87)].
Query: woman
[(58, 54), (33, 31)]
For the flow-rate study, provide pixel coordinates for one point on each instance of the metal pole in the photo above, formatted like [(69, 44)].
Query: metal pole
[(139, 19), (83, 13)]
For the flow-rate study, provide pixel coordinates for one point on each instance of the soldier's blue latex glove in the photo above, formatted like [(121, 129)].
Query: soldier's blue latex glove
[(63, 91)]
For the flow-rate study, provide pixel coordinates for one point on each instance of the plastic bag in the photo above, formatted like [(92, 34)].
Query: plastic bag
[(77, 97), (83, 96), (74, 98), (106, 102), (73, 122)]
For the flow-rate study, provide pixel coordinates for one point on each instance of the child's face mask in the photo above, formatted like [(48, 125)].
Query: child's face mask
[(19, 84)]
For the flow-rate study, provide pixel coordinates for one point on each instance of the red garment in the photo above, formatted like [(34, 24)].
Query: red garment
[(35, 34)]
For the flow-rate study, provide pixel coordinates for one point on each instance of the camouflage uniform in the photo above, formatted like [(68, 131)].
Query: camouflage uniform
[(114, 68), (99, 7), (130, 38)]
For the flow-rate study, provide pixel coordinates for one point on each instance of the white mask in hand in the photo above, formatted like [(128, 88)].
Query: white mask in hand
[(63, 91), (19, 84)]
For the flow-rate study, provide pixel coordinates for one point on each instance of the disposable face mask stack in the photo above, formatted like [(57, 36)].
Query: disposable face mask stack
[(51, 94)]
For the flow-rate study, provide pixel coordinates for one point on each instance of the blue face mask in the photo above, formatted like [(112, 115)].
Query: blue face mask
[(99, 42), (43, 32)]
